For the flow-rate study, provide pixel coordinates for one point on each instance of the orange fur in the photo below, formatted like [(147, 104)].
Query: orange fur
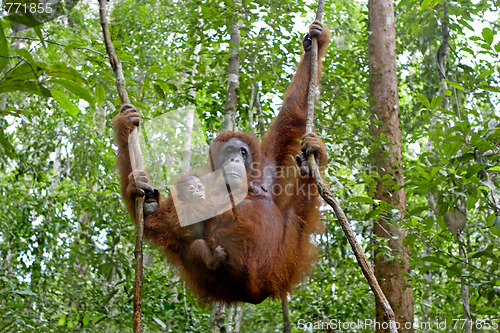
[(268, 236)]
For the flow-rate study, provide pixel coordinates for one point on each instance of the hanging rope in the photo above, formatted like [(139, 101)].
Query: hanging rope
[(330, 199), (137, 164)]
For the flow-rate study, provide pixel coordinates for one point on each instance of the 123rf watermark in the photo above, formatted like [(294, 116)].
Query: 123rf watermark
[(346, 326)]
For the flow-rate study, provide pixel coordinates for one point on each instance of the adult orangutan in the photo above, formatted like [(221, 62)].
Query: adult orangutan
[(262, 246)]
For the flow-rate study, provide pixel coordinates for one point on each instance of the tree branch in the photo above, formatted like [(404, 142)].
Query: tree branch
[(57, 43)]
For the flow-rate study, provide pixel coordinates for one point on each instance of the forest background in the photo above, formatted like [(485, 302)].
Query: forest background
[(66, 241)]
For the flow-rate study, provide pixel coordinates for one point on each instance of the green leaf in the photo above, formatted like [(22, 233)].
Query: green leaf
[(410, 239), (26, 55), (111, 106), (390, 182), (478, 254), (62, 320), (436, 101), (485, 72), (485, 46), (65, 103), (22, 72), (70, 322), (64, 72), (86, 319), (471, 201), (8, 148), (426, 4), (495, 227), (4, 50), (31, 87), (40, 35), (362, 200), (75, 88), (434, 260), (434, 171), (97, 318), (424, 101), (454, 84), (474, 169), (25, 292), (422, 171), (100, 94), (466, 24), (456, 270), (491, 88), (487, 35), (159, 322)]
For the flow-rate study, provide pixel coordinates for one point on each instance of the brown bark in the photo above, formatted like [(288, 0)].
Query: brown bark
[(287, 327), (390, 268)]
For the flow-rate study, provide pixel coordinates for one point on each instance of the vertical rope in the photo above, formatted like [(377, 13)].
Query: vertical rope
[(137, 163), (327, 195)]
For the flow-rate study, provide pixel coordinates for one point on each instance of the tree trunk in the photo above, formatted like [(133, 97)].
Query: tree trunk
[(441, 61), (258, 108), (390, 268), (188, 135), (190, 111), (233, 80), (217, 310), (464, 287), (287, 327), (250, 108)]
